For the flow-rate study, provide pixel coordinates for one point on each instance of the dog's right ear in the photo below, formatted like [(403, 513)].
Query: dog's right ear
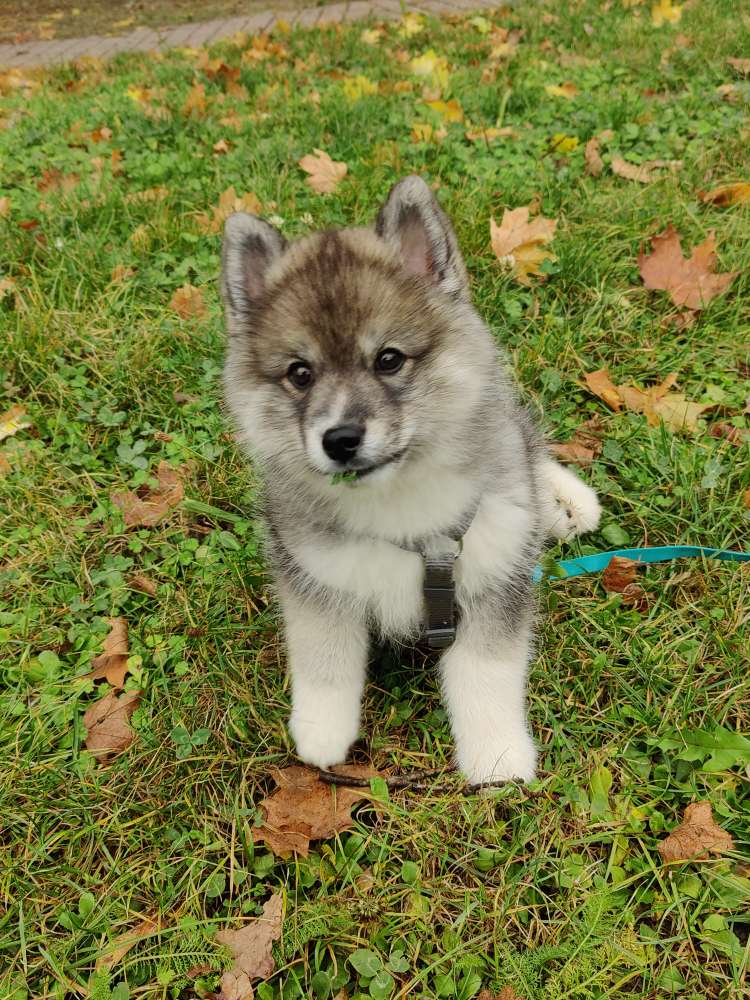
[(250, 247)]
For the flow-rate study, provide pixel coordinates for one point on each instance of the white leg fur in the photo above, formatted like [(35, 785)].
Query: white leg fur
[(486, 700), (575, 508), (327, 665)]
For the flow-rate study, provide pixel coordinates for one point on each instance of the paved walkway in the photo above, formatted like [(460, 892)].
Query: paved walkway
[(207, 32)]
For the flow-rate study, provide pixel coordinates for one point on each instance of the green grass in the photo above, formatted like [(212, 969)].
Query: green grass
[(561, 894)]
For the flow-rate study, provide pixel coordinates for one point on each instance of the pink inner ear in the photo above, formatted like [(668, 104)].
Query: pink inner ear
[(415, 250)]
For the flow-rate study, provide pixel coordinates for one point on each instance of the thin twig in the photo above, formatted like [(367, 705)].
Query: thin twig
[(414, 781)]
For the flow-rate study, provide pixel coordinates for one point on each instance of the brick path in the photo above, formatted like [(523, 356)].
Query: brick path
[(207, 32)]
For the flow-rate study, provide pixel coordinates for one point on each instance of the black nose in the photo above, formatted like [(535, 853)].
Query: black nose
[(341, 443)]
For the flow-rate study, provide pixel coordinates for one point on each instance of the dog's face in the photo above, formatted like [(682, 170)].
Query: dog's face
[(351, 351)]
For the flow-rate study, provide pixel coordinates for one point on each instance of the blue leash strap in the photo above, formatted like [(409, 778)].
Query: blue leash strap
[(653, 554)]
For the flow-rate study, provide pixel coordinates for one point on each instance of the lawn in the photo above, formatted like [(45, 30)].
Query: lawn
[(112, 176)]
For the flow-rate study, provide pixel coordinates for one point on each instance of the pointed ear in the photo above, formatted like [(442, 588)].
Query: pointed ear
[(250, 247), (416, 225)]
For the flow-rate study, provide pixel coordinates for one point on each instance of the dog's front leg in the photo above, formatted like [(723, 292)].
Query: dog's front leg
[(327, 652), (484, 685)]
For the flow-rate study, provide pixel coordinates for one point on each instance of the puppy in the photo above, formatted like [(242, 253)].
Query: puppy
[(368, 390)]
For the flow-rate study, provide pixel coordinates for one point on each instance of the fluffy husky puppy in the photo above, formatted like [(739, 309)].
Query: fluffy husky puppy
[(358, 351)]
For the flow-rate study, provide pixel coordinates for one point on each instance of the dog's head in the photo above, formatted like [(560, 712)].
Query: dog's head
[(352, 351)]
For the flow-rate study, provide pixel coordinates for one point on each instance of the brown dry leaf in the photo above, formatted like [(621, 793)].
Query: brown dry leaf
[(619, 574), (13, 421), (602, 386), (188, 301), (727, 194), (644, 172), (696, 837), (303, 808), (728, 432), (522, 244), (148, 510), (691, 282), (56, 180), (229, 202), (573, 452), (112, 663), (741, 65), (594, 162), (195, 102), (449, 111), (222, 147), (107, 723), (4, 207), (122, 944), (121, 272), (139, 581), (657, 403), (567, 90), (251, 948), (325, 174), (490, 133)]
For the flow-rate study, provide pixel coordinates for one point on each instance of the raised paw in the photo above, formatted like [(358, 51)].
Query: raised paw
[(575, 506)]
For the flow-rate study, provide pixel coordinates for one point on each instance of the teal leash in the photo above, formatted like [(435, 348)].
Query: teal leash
[(652, 554)]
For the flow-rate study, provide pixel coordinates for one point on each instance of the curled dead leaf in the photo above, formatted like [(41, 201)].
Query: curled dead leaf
[(303, 808), (187, 301), (112, 663), (696, 837), (325, 174), (644, 173), (143, 583), (727, 194), (107, 722), (602, 386), (251, 948), (148, 510), (594, 162), (657, 403), (691, 282), (121, 945)]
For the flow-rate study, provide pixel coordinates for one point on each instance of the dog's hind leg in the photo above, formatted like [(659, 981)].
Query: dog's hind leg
[(572, 507)]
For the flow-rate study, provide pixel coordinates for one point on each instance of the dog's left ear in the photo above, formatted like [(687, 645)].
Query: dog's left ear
[(412, 220)]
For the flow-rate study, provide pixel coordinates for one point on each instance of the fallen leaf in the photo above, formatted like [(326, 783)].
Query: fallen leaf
[(728, 432), (727, 194), (425, 132), (657, 403), (8, 287), (746, 498), (112, 663), (567, 90), (522, 244), (251, 948), (303, 808), (741, 65), (489, 134), (506, 993), (644, 172), (697, 836), (411, 24), (690, 282), (357, 87), (594, 162), (449, 111), (665, 12), (325, 174), (139, 581), (148, 510), (573, 452), (432, 67), (4, 207), (107, 722), (103, 134), (13, 421), (121, 272), (602, 386), (619, 573), (121, 945), (56, 180), (195, 102), (229, 202), (221, 147), (562, 143), (371, 36), (188, 301)]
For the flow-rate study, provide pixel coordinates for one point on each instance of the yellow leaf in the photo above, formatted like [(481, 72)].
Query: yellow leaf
[(371, 36), (521, 245), (489, 134), (431, 66), (229, 202), (449, 111), (195, 102), (188, 301), (424, 132), (356, 87), (283, 27), (665, 12), (12, 421), (562, 143), (567, 90), (723, 196), (124, 23), (325, 174), (411, 24)]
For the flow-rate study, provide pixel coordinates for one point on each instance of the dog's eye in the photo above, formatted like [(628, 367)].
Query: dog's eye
[(389, 361), (300, 375)]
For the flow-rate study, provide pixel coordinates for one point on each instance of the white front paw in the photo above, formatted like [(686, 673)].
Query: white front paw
[(324, 741), (576, 506), (498, 759)]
